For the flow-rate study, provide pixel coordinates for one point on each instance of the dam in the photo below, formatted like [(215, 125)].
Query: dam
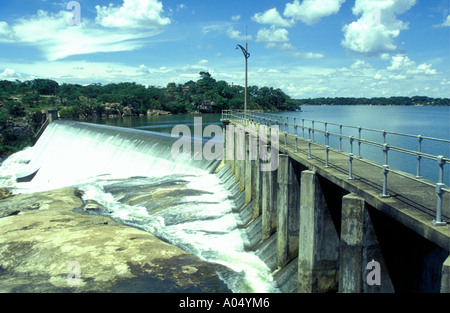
[(325, 220), (303, 210)]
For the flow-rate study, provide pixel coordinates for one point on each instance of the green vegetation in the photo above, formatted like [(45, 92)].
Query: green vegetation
[(22, 104)]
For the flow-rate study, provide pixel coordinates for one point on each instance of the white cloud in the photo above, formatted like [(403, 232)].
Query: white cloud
[(132, 14), (9, 74), (374, 32), (307, 55), (180, 7), (271, 17), (360, 64), (50, 32), (235, 18), (311, 11), (402, 65), (143, 69), (446, 22), (282, 47), (385, 56), (272, 35), (6, 32), (235, 34)]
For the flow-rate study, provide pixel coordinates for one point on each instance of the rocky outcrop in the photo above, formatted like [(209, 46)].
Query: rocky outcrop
[(151, 112), (112, 110), (48, 245)]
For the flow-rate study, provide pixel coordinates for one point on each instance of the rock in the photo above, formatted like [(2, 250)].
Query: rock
[(112, 110), (128, 111), (20, 128), (92, 205), (151, 112), (56, 249), (5, 193)]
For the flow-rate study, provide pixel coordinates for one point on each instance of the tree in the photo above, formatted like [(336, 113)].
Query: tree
[(15, 108), (69, 92), (45, 86), (32, 99)]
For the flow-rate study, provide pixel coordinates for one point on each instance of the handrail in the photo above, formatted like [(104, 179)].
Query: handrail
[(269, 119)]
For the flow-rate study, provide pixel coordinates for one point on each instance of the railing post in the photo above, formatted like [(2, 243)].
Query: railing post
[(350, 166), (309, 148), (385, 168), (359, 141), (351, 144), (385, 153), (385, 194), (340, 137), (303, 127), (439, 192), (419, 157), (327, 147), (285, 134)]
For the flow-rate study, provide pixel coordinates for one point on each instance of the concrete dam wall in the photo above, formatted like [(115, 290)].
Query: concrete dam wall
[(319, 231)]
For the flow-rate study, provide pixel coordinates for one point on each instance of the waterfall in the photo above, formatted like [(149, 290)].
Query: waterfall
[(132, 175)]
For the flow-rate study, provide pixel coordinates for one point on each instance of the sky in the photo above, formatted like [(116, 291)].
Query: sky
[(307, 48)]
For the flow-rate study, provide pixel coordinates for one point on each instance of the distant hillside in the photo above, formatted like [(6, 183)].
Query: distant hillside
[(22, 103), (417, 100)]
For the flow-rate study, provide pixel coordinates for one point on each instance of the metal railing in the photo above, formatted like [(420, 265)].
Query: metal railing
[(289, 125)]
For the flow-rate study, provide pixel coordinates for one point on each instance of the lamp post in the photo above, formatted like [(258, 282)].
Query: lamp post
[(246, 55)]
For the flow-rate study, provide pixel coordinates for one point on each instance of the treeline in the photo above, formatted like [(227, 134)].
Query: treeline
[(77, 101), (416, 100), (22, 104)]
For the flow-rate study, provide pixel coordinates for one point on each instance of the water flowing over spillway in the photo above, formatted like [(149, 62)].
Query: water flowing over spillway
[(133, 177)]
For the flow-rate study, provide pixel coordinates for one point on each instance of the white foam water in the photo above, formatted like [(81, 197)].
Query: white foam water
[(132, 175)]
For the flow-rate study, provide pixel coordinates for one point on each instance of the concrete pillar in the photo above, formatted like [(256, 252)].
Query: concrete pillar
[(318, 240), (256, 180), (224, 145), (445, 276), (283, 208), (240, 152), (362, 266), (235, 153), (268, 202), (293, 207), (248, 170), (229, 145), (242, 159)]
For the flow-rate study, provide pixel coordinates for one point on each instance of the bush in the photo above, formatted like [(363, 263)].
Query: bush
[(69, 113), (15, 109)]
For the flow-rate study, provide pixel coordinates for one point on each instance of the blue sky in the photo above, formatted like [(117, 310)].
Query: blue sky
[(308, 48)]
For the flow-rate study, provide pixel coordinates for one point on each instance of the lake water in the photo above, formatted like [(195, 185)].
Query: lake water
[(429, 121)]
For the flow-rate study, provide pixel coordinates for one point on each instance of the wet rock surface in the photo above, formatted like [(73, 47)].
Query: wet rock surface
[(46, 245)]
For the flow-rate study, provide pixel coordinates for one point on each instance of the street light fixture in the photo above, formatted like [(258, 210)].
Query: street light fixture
[(246, 55)]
